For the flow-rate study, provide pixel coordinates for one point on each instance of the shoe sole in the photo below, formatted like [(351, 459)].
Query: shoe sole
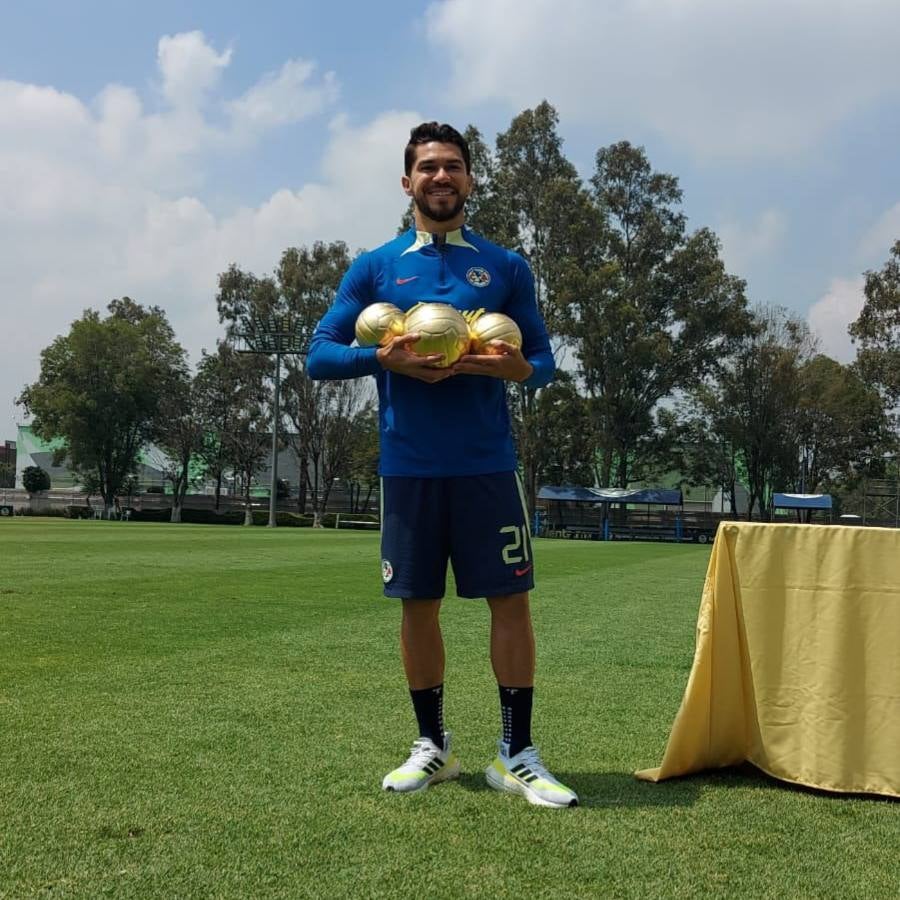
[(509, 785), (447, 773)]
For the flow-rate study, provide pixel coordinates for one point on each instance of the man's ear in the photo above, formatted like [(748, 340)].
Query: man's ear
[(406, 184)]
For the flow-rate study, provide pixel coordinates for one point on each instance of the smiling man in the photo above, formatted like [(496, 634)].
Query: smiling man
[(450, 483)]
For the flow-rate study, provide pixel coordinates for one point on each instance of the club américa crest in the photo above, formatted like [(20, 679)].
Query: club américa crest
[(387, 570), (478, 277)]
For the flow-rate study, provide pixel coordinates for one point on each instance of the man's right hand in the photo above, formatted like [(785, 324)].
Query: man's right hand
[(396, 356)]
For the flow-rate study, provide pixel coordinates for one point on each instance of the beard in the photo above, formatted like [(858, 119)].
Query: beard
[(439, 212)]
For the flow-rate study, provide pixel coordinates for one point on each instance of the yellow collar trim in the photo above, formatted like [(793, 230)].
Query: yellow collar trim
[(424, 238)]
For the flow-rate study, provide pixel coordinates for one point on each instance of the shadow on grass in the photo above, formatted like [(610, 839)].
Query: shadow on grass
[(605, 790), (748, 776)]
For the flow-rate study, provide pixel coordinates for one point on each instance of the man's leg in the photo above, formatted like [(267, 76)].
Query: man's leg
[(518, 768), (512, 640), (512, 658), (421, 643), (422, 649)]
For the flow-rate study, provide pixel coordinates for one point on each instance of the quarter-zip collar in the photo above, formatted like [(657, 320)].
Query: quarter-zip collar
[(455, 238)]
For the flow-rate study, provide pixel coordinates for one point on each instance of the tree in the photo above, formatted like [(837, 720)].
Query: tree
[(704, 441), (534, 203), (752, 410), (247, 441), (329, 434), (181, 436), (35, 479), (100, 389), (841, 423), (301, 289), (308, 279), (654, 315), (877, 331), (364, 457), (564, 445)]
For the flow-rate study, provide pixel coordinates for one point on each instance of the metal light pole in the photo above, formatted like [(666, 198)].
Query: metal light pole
[(272, 336)]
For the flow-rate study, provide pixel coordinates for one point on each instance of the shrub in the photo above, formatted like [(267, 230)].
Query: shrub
[(35, 479)]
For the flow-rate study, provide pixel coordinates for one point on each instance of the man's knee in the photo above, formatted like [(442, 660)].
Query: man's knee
[(510, 608), (420, 612)]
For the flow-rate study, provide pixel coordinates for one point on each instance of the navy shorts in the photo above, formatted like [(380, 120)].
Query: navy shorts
[(477, 522)]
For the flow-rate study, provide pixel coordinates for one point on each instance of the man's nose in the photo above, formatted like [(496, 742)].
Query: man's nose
[(441, 174)]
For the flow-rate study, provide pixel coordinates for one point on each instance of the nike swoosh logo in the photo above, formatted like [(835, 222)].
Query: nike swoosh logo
[(525, 571), (407, 280)]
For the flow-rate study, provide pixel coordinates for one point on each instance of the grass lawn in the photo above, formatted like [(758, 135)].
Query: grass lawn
[(208, 711)]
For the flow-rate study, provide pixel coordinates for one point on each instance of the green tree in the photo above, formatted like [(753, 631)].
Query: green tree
[(334, 441), (364, 457), (703, 444), (565, 446), (841, 423), (877, 331), (100, 389), (654, 315), (756, 401), (534, 203), (308, 279), (247, 441), (35, 479), (300, 290), (181, 436)]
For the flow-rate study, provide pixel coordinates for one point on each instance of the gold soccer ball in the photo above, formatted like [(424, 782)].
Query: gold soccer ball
[(442, 329), (378, 323), (494, 326)]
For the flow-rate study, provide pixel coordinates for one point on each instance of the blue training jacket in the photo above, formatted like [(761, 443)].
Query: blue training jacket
[(459, 426)]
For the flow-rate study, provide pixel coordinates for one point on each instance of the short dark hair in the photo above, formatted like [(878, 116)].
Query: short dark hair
[(433, 131)]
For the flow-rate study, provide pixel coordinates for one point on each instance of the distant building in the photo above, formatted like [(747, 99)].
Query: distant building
[(152, 461), (7, 464)]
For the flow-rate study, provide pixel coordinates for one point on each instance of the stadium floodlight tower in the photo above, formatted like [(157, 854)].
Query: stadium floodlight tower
[(272, 335)]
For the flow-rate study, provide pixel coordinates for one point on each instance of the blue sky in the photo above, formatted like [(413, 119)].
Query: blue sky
[(146, 147)]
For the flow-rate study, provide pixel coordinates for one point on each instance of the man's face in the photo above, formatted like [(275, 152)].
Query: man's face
[(438, 182)]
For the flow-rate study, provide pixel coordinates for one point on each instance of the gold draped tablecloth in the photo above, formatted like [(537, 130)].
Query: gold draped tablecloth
[(797, 664)]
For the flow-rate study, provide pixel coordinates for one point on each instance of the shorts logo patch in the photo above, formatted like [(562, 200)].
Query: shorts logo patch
[(523, 571), (478, 277), (387, 570)]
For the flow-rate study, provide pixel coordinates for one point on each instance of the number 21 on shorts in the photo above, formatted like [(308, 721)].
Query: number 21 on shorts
[(516, 550)]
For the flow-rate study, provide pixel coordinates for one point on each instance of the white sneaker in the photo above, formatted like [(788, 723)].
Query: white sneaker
[(525, 774), (427, 764)]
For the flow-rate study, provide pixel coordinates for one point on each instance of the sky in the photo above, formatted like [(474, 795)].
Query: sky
[(146, 147)]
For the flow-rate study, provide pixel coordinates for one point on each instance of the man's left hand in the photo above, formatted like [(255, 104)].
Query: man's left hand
[(508, 363)]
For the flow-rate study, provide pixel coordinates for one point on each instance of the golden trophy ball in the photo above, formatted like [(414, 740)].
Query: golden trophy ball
[(378, 323), (441, 329), (493, 326)]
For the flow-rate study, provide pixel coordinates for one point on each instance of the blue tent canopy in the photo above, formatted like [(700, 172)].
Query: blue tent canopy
[(801, 501), (658, 496)]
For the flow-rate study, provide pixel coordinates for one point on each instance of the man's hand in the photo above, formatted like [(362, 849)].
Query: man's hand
[(397, 357), (508, 364)]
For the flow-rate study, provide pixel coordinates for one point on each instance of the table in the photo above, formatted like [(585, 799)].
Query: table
[(797, 662)]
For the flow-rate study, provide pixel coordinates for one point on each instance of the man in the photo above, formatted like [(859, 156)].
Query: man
[(450, 488)]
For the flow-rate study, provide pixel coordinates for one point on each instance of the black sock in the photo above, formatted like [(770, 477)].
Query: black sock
[(515, 707), (428, 704)]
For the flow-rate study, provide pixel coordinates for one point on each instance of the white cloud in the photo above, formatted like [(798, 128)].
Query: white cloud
[(190, 68), (285, 97), (745, 78), (97, 201), (743, 245), (831, 315), (878, 240)]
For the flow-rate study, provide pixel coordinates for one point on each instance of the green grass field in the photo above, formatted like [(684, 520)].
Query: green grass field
[(202, 711)]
